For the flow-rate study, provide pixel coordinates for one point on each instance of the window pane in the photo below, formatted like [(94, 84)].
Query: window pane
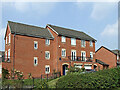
[(73, 41)]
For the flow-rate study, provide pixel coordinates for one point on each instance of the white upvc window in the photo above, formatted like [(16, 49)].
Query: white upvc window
[(9, 38), (6, 40), (63, 39), (73, 41), (91, 43), (63, 52), (35, 45), (117, 57), (47, 55), (47, 69), (82, 43), (47, 42), (5, 55), (83, 55), (91, 55), (35, 61), (8, 55)]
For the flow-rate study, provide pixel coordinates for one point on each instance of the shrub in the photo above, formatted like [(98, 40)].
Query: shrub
[(109, 78), (75, 69)]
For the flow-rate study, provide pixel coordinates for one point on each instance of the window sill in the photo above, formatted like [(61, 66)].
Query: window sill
[(73, 45), (47, 58), (35, 65), (82, 47), (47, 72), (47, 44)]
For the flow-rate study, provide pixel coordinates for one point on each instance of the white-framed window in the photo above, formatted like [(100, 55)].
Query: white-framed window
[(8, 55), (63, 39), (35, 45), (47, 42), (91, 43), (47, 55), (73, 41), (82, 43), (83, 55), (63, 52), (9, 38), (47, 69), (91, 55), (6, 40), (35, 61)]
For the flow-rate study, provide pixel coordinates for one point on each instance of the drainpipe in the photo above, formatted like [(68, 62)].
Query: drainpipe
[(14, 54)]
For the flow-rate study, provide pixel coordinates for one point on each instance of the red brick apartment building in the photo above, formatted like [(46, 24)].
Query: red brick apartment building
[(37, 50)]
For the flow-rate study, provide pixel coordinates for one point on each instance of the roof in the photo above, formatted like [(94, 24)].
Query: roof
[(29, 30), (116, 51), (71, 33), (106, 49), (101, 62)]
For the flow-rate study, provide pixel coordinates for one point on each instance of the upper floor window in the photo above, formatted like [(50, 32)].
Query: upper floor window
[(47, 69), (63, 39), (8, 55), (35, 45), (63, 52), (73, 41), (91, 43), (6, 40), (9, 38), (47, 55), (91, 55), (35, 61), (82, 43), (47, 42)]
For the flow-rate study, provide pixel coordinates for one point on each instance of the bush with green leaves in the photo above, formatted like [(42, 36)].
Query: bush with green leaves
[(75, 69), (109, 78)]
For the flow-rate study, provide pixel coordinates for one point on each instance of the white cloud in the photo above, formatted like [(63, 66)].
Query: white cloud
[(21, 6), (110, 30), (2, 34), (41, 8), (102, 10)]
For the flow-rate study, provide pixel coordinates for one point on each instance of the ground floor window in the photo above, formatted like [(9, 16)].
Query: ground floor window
[(35, 61), (47, 69)]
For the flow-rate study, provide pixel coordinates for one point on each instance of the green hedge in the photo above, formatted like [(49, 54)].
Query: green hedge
[(109, 78)]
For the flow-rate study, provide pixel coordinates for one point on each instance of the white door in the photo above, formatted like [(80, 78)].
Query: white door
[(83, 55), (73, 55), (87, 66)]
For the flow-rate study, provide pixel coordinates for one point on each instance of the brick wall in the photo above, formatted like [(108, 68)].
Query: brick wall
[(107, 57)]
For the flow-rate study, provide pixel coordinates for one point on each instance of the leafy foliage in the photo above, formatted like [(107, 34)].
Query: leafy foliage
[(75, 69), (109, 78)]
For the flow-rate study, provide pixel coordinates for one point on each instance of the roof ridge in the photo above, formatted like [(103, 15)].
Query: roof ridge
[(67, 28), (26, 24)]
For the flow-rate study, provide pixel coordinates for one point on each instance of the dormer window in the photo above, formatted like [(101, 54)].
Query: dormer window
[(63, 39)]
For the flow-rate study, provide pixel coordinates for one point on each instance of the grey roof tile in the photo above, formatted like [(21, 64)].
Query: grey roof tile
[(29, 30), (71, 33)]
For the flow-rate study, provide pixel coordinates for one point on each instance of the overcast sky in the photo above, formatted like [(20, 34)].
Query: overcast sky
[(98, 19)]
